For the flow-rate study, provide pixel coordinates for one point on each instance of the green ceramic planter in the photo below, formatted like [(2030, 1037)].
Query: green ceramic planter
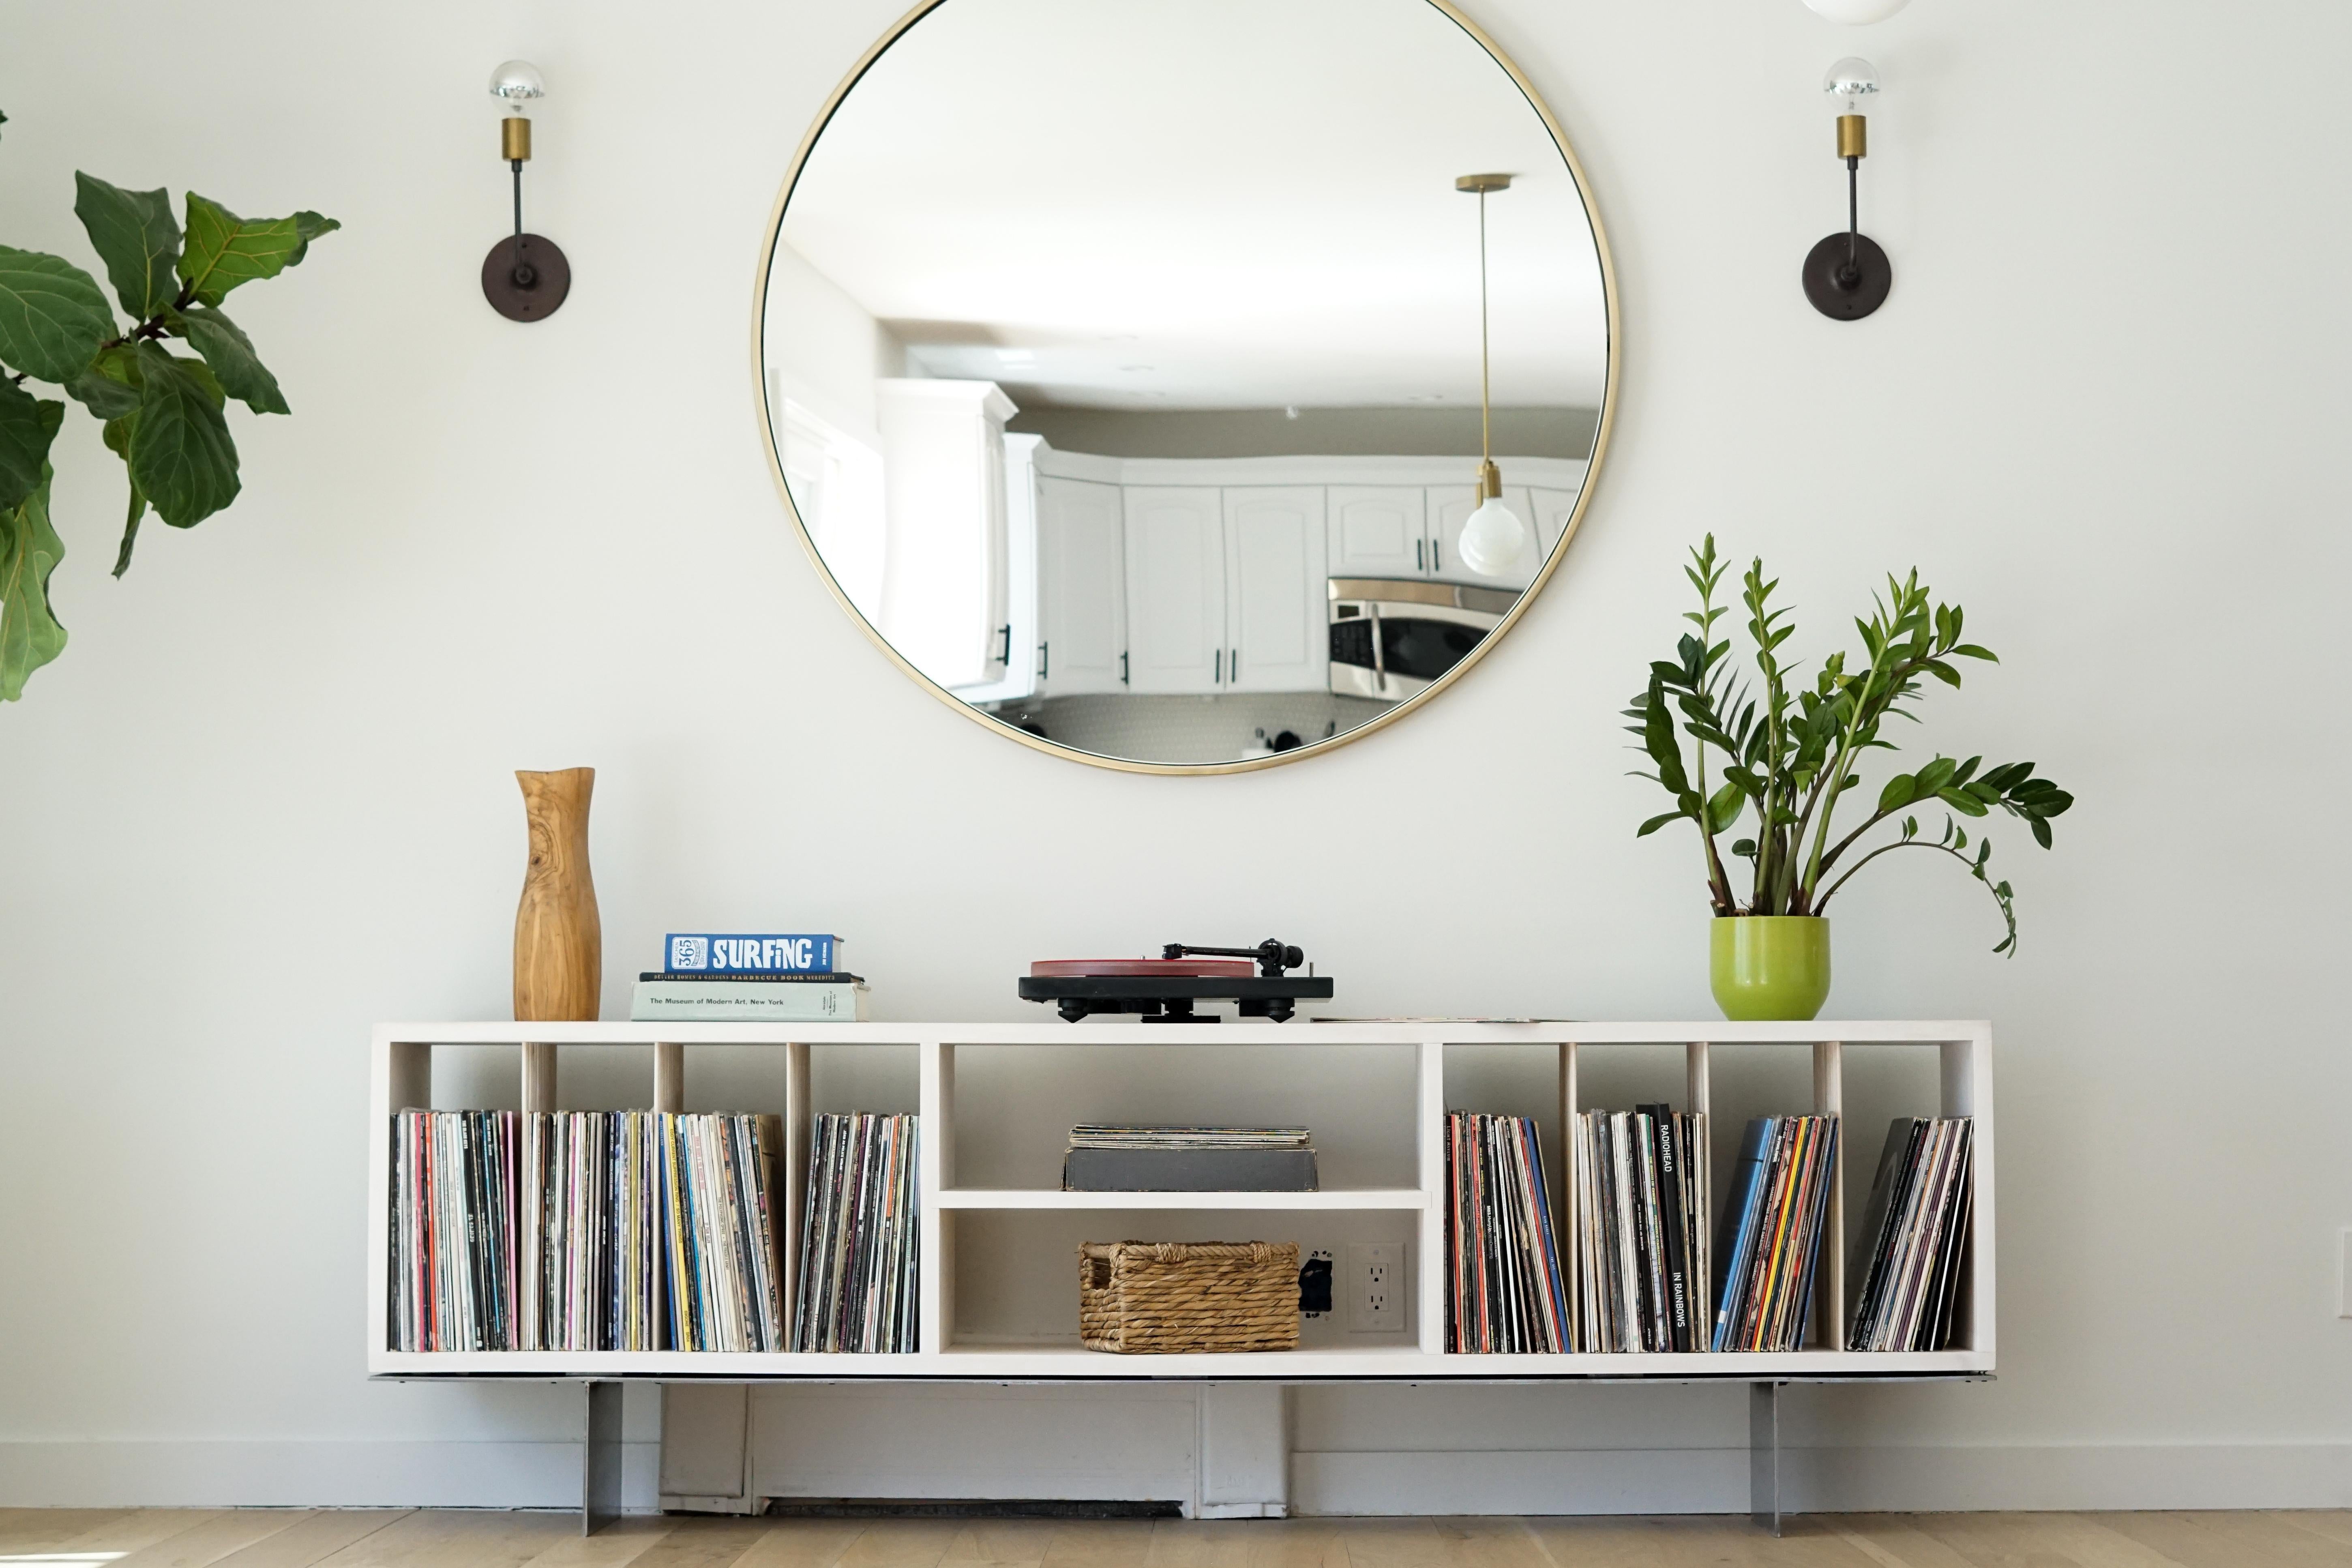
[(1769, 967)]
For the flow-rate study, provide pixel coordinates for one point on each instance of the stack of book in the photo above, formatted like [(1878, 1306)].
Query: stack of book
[(1771, 1240), (1505, 1293), (744, 978), (859, 1235), (725, 1291), (584, 1231), (1642, 1231), (1912, 1245), (1188, 1160)]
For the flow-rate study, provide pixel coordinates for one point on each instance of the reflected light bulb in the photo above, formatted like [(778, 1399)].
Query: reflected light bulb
[(1850, 85), (515, 84), (1856, 13), (1493, 539)]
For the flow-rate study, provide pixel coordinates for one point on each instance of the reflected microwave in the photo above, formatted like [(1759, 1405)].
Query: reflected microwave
[(1392, 636)]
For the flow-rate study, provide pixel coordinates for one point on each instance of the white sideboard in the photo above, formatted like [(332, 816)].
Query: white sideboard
[(1027, 1329)]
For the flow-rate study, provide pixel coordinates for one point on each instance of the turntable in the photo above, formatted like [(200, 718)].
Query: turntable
[(1164, 989)]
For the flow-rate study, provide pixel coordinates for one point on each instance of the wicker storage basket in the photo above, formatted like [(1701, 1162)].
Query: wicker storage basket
[(1164, 1298)]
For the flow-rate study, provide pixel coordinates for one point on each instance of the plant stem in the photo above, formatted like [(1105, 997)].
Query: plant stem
[(1884, 849)]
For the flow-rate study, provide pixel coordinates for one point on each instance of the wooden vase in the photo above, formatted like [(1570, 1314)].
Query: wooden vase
[(559, 948)]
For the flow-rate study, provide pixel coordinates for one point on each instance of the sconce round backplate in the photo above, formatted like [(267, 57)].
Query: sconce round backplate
[(1838, 294), (529, 283)]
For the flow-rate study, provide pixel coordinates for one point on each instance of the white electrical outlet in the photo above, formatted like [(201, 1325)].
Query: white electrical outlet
[(1376, 1287)]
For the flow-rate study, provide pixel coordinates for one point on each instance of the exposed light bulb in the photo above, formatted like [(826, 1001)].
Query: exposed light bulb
[(1856, 13), (1851, 85), (1492, 539), (515, 84)]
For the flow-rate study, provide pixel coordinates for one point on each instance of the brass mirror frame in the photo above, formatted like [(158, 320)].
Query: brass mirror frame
[(1126, 764)]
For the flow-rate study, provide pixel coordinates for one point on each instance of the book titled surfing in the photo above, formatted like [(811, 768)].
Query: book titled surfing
[(758, 953)]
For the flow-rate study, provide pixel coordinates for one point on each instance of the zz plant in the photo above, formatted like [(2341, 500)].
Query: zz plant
[(161, 412), (1786, 749)]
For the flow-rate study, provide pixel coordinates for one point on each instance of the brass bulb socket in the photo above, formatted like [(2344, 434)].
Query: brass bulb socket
[(1853, 136), (514, 138), (1490, 480)]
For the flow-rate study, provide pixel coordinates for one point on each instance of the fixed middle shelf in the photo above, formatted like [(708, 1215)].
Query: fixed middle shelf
[(1339, 1199)]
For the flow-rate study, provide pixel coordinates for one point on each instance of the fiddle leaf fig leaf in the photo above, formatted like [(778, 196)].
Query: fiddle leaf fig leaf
[(28, 426), (230, 354), (30, 634), (225, 250), (182, 456), (134, 235), (117, 436), (52, 316), (110, 387)]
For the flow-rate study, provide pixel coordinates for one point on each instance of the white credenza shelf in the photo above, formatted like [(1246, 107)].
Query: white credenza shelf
[(401, 1076)]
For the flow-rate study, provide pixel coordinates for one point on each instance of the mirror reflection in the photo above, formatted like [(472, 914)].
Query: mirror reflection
[(1131, 365)]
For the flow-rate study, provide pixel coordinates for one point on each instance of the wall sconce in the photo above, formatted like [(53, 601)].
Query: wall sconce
[(524, 278), (1846, 275)]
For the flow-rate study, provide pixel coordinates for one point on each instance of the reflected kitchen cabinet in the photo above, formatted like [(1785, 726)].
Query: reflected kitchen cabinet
[(1379, 531), (1450, 507), (1175, 588), (1081, 587), (1553, 508), (1275, 602)]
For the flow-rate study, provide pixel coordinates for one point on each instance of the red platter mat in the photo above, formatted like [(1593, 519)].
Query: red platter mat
[(1142, 968)]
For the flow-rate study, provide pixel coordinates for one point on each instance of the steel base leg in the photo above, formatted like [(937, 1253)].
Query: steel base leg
[(600, 1472), (1764, 1456)]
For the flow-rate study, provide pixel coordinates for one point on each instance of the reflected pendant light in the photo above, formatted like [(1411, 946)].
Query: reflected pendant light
[(1493, 538)]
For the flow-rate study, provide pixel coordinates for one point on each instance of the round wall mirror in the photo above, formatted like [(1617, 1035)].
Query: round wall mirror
[(1186, 385)]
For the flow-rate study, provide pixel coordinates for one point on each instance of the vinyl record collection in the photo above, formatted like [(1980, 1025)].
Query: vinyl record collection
[(455, 1273), (718, 1180), (592, 1221), (1642, 1233), (1503, 1263), (556, 1231), (1912, 1243), (858, 1237), (1770, 1248)]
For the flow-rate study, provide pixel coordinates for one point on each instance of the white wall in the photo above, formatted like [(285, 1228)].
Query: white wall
[(264, 798)]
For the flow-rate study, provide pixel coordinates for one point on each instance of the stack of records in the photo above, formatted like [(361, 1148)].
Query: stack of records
[(1910, 1249), (455, 1276), (1771, 1238), (1188, 1160), (717, 1185), (581, 1231), (1503, 1264), (1641, 1248), (858, 1237), (591, 1233)]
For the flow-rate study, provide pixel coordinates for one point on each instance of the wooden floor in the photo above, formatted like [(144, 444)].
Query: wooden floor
[(253, 1538)]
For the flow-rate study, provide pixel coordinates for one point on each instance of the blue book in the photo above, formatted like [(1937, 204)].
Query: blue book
[(703, 952)]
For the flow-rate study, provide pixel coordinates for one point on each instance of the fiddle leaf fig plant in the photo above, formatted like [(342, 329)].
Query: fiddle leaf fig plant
[(1786, 750), (161, 411)]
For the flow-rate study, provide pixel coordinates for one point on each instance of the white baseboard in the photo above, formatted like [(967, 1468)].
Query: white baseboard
[(292, 1474), (1825, 1480)]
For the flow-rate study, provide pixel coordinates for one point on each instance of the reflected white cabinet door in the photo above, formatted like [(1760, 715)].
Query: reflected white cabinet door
[(1450, 507), (1553, 508), (1277, 618), (1081, 587), (1377, 531), (1175, 589)]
